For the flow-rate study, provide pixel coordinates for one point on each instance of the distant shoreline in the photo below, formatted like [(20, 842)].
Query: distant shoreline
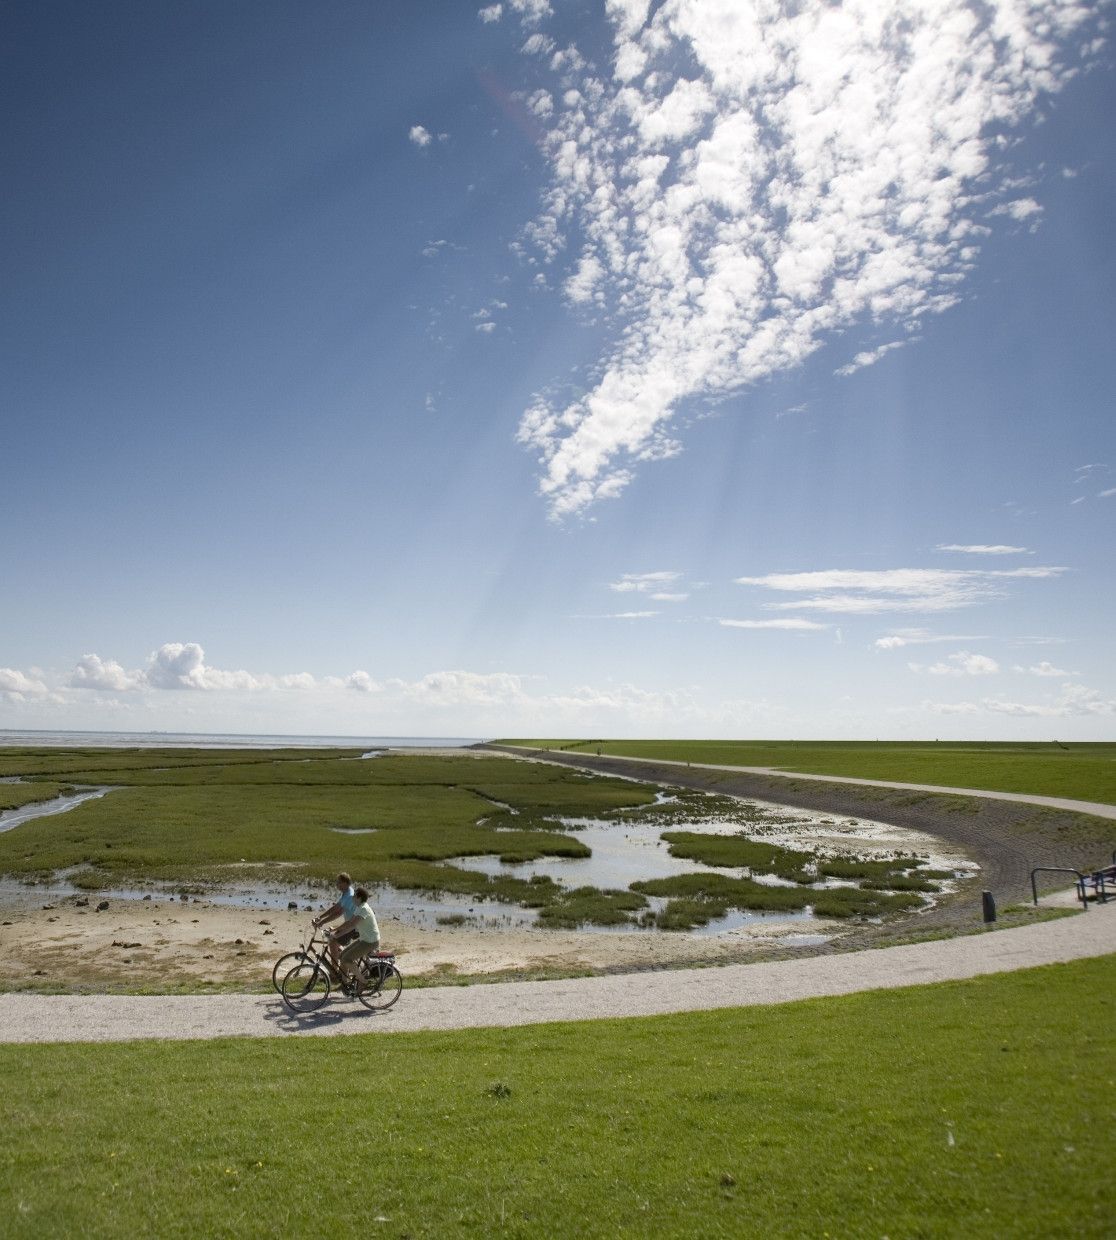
[(70, 739)]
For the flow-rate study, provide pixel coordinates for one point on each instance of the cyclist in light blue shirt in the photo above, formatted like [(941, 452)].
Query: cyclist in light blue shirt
[(345, 906)]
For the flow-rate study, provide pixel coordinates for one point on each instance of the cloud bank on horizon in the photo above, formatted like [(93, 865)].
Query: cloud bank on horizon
[(742, 182)]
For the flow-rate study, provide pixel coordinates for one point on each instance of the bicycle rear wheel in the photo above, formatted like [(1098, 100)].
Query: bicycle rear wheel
[(381, 984), (306, 987)]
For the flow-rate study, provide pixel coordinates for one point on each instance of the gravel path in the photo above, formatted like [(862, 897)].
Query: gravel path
[(118, 1018), (1100, 808)]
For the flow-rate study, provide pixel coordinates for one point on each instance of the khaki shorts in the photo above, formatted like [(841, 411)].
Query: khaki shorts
[(356, 950)]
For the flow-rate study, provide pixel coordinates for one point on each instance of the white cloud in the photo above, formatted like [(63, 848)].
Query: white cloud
[(1106, 494), (181, 665), (466, 688), (621, 615), (174, 666), (870, 357), (816, 168), (918, 637), (1044, 669), (668, 597), (870, 591), (16, 685), (983, 548), (93, 672), (1019, 209), (789, 623), (531, 11), (491, 13), (1074, 701), (420, 135), (582, 284), (961, 664), (537, 45), (642, 583)]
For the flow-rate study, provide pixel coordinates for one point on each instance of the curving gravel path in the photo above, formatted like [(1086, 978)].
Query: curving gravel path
[(119, 1018)]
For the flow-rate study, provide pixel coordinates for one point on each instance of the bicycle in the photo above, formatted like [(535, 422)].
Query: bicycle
[(305, 987)]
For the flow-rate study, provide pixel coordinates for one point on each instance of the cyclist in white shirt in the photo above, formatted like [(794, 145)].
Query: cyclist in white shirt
[(363, 921)]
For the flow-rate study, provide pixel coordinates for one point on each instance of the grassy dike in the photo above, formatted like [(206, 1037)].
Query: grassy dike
[(982, 1107), (1085, 772)]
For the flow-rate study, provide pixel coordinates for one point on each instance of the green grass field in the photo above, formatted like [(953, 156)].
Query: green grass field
[(972, 1108), (203, 817), (1083, 771), (196, 816)]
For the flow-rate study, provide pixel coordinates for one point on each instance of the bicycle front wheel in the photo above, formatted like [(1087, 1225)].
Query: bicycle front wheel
[(381, 984), (306, 987)]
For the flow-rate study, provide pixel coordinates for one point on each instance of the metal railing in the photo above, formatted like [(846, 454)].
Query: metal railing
[(1060, 869)]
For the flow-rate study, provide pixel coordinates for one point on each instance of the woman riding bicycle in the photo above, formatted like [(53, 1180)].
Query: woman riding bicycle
[(364, 922)]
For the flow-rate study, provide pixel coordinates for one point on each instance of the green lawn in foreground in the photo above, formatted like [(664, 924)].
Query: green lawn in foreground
[(972, 1108), (1083, 771)]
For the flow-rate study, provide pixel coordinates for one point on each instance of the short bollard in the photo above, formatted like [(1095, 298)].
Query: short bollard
[(988, 903)]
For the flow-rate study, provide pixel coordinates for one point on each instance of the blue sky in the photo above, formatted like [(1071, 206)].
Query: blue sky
[(626, 368)]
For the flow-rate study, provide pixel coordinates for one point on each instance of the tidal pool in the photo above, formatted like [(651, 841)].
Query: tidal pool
[(40, 809), (622, 852)]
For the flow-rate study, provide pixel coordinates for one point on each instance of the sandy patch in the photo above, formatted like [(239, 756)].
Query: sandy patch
[(161, 943)]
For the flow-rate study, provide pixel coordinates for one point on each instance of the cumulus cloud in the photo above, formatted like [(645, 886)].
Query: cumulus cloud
[(17, 686), (491, 13), (789, 623), (93, 672), (361, 681), (420, 135), (870, 591), (983, 549), (177, 665), (748, 179)]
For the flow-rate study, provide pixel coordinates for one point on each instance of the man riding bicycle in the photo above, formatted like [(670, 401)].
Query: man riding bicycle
[(345, 905)]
